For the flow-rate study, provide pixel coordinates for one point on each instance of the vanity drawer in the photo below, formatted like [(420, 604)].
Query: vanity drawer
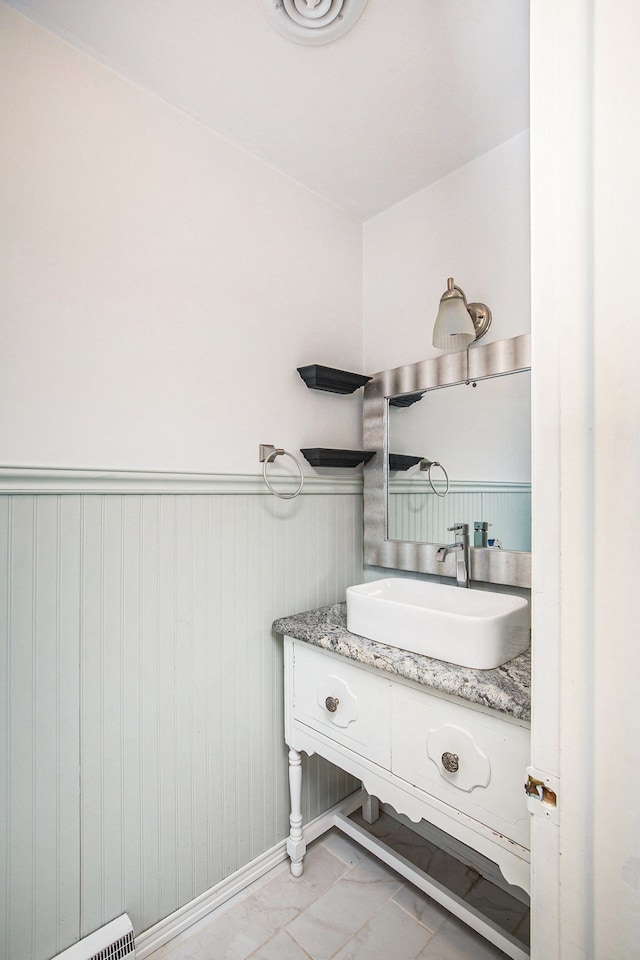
[(468, 759), (345, 703)]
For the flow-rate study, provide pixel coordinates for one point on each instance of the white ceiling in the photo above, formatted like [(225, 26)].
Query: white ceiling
[(416, 89)]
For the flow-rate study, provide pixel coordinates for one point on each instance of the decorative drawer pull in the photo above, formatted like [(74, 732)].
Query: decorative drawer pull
[(451, 762), (331, 703)]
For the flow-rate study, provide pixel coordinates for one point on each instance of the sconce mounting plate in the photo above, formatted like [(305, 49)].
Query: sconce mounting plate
[(481, 316)]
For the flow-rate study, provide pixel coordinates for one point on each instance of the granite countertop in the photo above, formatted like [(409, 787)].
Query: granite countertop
[(506, 688)]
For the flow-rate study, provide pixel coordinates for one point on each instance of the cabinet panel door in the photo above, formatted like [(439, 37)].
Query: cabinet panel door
[(471, 760), (345, 703)]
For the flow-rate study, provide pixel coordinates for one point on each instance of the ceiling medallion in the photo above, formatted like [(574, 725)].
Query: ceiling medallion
[(313, 22)]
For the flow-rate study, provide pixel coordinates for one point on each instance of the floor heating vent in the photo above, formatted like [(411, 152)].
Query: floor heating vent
[(114, 941)]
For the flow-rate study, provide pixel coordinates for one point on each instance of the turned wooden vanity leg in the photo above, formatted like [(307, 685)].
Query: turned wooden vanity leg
[(370, 809), (296, 846)]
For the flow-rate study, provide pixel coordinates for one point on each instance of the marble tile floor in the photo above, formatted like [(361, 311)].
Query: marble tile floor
[(350, 906)]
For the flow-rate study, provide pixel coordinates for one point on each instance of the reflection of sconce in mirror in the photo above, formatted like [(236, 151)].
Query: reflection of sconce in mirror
[(459, 323)]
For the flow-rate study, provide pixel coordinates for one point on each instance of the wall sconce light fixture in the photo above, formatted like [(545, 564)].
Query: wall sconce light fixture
[(459, 323)]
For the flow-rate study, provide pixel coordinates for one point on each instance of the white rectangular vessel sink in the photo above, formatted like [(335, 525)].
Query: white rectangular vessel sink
[(471, 628)]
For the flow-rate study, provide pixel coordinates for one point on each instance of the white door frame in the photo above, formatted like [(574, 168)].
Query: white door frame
[(585, 198)]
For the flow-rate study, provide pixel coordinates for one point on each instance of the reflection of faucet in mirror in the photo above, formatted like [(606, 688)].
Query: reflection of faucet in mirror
[(481, 533), (461, 549)]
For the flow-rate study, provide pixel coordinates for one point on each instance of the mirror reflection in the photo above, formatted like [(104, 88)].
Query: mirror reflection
[(481, 434)]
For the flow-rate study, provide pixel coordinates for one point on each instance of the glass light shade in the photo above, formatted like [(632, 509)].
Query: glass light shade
[(453, 329)]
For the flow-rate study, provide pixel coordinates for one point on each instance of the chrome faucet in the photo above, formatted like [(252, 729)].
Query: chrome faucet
[(461, 549)]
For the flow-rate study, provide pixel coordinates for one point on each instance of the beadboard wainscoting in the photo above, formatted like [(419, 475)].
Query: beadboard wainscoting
[(143, 759), (417, 514)]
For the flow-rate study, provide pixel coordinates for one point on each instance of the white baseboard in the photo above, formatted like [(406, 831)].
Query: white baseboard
[(183, 918), (212, 899)]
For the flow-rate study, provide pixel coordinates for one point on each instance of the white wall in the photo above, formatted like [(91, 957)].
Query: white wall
[(159, 288), (160, 285), (472, 225)]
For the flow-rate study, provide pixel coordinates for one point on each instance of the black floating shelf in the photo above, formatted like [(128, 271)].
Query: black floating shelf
[(331, 380), (399, 461), (326, 457), (406, 400)]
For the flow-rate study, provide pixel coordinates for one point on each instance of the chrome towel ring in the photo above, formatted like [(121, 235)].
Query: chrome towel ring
[(268, 454), (428, 465)]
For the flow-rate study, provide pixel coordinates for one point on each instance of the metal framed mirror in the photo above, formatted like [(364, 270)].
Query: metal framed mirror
[(389, 542)]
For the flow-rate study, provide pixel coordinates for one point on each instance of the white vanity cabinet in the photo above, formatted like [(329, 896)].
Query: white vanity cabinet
[(472, 760), (430, 756)]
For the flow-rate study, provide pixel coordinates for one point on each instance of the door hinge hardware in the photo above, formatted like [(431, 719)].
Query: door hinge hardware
[(542, 791), (538, 790)]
